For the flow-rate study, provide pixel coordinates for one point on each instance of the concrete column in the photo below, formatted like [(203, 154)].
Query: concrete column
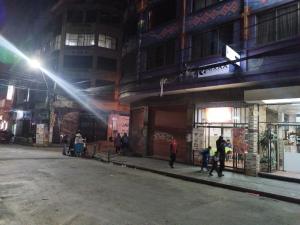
[(146, 131), (189, 128), (252, 157)]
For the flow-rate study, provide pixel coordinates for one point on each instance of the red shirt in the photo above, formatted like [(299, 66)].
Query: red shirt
[(173, 147)]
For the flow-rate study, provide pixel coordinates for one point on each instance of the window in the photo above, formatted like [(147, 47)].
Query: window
[(75, 16), (80, 39), (161, 55), (211, 42), (91, 16), (106, 41), (107, 64), (57, 42), (77, 62), (162, 13), (277, 24), (201, 4)]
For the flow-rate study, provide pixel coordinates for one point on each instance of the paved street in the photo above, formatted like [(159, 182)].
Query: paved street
[(39, 187)]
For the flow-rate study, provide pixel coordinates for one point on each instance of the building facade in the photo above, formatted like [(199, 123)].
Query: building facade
[(81, 43), (196, 70)]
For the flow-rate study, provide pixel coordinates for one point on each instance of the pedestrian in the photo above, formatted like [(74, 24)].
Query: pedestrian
[(118, 143), (215, 161), (65, 141), (221, 144), (125, 143), (173, 152), (205, 158)]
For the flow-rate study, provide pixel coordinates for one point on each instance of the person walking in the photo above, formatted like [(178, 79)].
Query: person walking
[(173, 152), (221, 144), (205, 158), (118, 143), (215, 161), (125, 143)]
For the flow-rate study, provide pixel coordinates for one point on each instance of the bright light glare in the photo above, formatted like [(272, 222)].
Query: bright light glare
[(10, 92), (35, 63), (278, 101), (219, 115), (81, 98)]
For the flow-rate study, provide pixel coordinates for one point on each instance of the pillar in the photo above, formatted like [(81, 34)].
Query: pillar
[(189, 130), (252, 157)]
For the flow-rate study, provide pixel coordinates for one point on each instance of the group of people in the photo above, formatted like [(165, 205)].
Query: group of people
[(75, 144), (121, 143), (218, 157)]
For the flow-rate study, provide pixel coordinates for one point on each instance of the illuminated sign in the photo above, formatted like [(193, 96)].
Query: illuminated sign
[(218, 70), (232, 55)]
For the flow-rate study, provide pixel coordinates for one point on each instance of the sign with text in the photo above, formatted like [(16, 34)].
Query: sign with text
[(198, 139)]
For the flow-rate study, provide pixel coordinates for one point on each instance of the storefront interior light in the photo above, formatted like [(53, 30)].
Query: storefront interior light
[(280, 101), (219, 115)]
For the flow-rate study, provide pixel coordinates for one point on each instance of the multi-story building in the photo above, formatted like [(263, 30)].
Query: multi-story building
[(196, 70), (81, 43)]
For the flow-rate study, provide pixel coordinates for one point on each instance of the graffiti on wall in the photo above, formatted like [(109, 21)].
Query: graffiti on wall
[(162, 136)]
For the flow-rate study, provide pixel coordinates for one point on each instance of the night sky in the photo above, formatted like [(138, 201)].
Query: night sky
[(17, 18)]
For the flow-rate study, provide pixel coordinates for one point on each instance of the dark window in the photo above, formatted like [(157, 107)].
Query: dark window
[(162, 12), (107, 64), (75, 16), (105, 89), (161, 55), (277, 24), (211, 42), (266, 28), (109, 18), (91, 16), (129, 63), (201, 4), (84, 62)]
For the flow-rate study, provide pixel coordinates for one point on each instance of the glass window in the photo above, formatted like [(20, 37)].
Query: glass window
[(211, 42), (91, 16), (106, 41), (107, 64), (161, 55), (266, 28), (77, 62), (74, 16), (80, 39), (277, 24), (287, 22)]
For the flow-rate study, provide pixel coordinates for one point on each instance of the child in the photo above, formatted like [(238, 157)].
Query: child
[(215, 161)]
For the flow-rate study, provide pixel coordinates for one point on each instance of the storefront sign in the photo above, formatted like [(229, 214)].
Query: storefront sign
[(198, 139), (218, 70)]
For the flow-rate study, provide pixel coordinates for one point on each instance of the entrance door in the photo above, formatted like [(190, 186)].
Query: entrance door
[(234, 155)]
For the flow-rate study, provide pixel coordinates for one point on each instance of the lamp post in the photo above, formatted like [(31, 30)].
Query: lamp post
[(37, 65)]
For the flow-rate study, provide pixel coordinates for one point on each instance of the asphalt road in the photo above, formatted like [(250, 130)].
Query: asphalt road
[(39, 187)]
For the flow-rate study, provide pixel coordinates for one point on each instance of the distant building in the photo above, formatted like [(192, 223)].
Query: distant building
[(81, 42)]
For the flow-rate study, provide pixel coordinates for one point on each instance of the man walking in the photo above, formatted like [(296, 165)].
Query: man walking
[(221, 153), (173, 152)]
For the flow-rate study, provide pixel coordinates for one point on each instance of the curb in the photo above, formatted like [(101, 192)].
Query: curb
[(213, 183)]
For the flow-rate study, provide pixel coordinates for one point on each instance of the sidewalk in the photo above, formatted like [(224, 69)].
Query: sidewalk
[(276, 189)]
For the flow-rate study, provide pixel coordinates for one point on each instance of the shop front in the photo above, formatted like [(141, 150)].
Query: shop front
[(279, 129), (229, 121)]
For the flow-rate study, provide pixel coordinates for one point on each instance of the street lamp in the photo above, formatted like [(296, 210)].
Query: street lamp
[(37, 65)]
